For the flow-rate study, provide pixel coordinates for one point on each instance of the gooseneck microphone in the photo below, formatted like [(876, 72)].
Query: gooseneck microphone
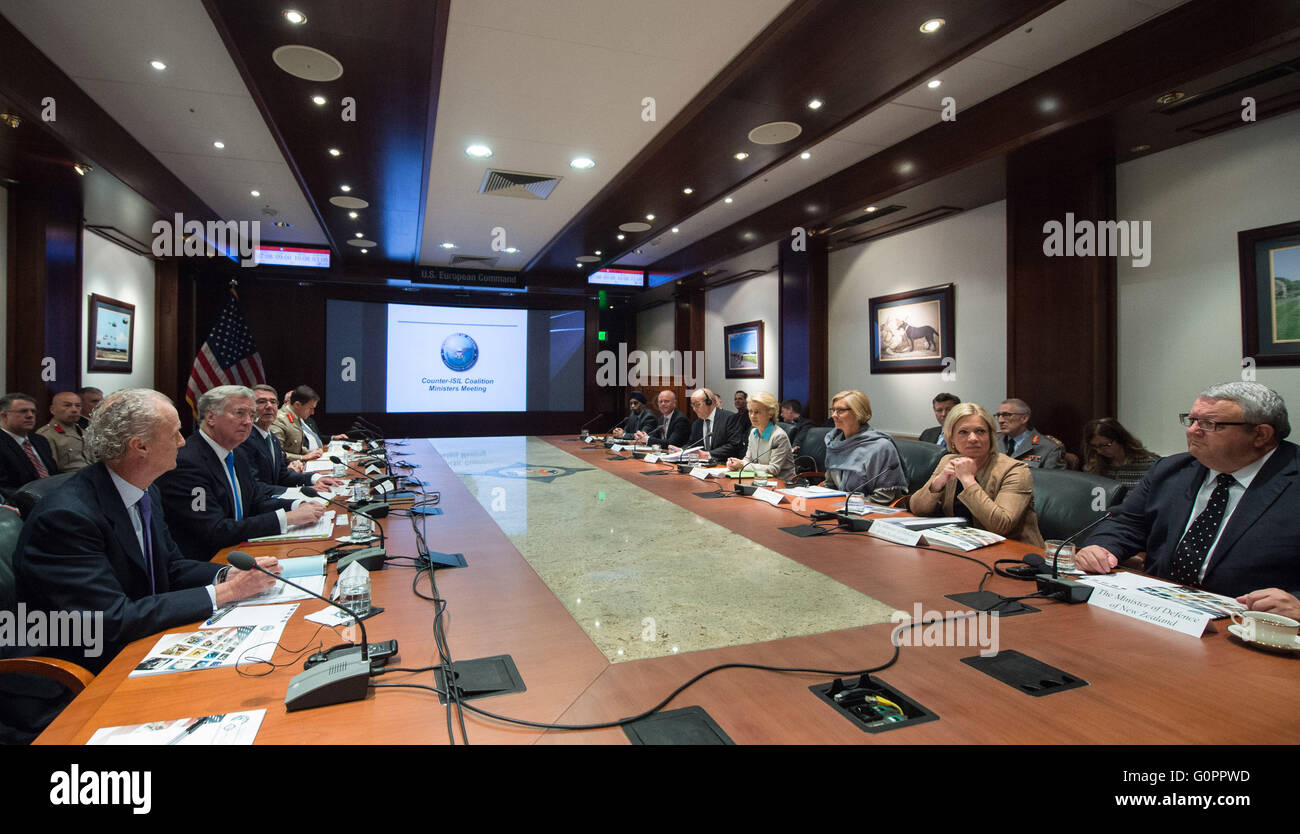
[(344, 677), (1052, 585), (583, 427), (366, 510)]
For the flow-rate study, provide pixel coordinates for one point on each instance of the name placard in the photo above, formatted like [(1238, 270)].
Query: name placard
[(770, 496), (616, 448), (894, 533), (651, 458), (700, 472), (1143, 607)]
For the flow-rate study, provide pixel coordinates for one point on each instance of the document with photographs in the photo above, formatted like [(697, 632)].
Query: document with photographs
[(1215, 605), (960, 537), (210, 649), (209, 730), (284, 592)]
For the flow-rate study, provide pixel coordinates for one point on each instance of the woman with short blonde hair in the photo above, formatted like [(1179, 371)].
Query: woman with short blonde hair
[(769, 451), (859, 459)]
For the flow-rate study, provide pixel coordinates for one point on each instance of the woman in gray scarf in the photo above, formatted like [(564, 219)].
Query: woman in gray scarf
[(858, 458)]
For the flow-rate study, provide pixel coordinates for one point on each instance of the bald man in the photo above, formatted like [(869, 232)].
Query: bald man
[(64, 432)]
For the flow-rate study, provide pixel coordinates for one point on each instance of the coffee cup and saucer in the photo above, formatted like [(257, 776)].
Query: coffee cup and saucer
[(1265, 630)]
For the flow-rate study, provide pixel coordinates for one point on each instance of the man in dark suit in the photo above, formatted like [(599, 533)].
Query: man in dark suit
[(266, 457), (24, 454), (211, 497), (792, 413), (722, 434), (1223, 516), (637, 413), (100, 544), (942, 404), (669, 427)]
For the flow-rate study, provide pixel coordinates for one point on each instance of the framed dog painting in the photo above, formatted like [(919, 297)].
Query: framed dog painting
[(913, 331)]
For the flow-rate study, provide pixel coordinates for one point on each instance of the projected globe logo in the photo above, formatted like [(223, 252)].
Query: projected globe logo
[(459, 352)]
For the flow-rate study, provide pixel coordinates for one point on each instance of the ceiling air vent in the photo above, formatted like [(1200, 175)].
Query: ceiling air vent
[(518, 184), (474, 261)]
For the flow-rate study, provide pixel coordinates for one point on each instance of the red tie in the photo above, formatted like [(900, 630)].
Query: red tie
[(41, 471)]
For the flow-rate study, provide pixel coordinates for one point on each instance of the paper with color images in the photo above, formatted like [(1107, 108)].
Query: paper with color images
[(208, 730), (210, 649)]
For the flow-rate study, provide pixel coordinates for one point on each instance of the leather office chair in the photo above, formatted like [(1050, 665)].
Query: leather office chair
[(919, 460), (814, 446), (65, 673), (1064, 500), (27, 496)]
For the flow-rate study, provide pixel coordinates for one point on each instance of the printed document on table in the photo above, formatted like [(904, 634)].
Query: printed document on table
[(281, 592), (227, 729)]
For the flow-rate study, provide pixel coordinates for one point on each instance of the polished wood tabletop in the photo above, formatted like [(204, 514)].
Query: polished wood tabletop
[(1145, 684)]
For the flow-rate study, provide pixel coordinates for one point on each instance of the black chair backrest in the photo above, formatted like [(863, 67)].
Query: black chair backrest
[(919, 461), (814, 446), (32, 492), (1066, 501), (11, 524)]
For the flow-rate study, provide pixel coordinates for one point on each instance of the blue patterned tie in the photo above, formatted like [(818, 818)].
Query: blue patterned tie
[(234, 483), (1195, 546), (145, 507)]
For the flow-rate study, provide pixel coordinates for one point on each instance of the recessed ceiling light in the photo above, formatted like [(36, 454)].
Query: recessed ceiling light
[(934, 84), (353, 215), (1170, 98), (582, 163), (479, 151), (676, 230), (218, 144), (1048, 105), (620, 237), (688, 190), (649, 217), (742, 156), (82, 168), (318, 99), (815, 104), (295, 17), (358, 234), (345, 188), (510, 250), (869, 209), (727, 201), (158, 65), (255, 193), (597, 251), (805, 155), (1140, 148), (932, 25), (364, 251), (448, 245), (335, 152)]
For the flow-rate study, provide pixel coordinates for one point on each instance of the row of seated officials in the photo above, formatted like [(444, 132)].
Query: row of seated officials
[(1221, 516), (130, 532)]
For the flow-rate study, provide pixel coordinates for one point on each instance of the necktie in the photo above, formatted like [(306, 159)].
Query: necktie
[(708, 433), (234, 485), (1192, 550), (1010, 444), (41, 471), (145, 507)]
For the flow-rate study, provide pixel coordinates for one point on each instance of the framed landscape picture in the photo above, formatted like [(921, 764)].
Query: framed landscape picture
[(1270, 294), (111, 332), (913, 331), (743, 347)]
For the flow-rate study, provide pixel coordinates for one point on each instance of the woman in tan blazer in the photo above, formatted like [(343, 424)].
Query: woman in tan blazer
[(995, 492)]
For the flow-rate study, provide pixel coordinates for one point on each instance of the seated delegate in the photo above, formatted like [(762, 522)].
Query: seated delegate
[(769, 451), (859, 459), (1109, 450), (989, 489)]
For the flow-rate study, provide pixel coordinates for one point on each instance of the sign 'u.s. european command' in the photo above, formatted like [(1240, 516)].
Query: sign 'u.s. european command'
[(463, 277)]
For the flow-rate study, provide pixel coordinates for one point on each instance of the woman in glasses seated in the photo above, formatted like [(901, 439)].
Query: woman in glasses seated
[(990, 490), (1112, 452), (769, 449), (859, 459)]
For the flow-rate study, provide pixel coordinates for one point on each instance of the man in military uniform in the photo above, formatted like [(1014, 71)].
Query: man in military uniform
[(1018, 440), (64, 432)]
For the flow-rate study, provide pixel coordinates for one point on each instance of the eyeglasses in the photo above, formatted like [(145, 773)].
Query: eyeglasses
[(1002, 415), (840, 410), (241, 413), (1208, 425), (1105, 445)]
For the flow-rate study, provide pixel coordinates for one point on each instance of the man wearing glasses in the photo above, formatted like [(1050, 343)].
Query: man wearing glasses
[(1018, 440), (1223, 516)]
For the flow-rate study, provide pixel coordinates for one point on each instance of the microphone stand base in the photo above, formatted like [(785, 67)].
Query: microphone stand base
[(340, 679)]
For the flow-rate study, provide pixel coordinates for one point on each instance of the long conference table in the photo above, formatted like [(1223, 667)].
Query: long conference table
[(610, 586)]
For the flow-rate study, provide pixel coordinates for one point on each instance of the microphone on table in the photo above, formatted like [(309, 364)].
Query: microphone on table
[(582, 430), (683, 467), (741, 489), (373, 511), (844, 517), (1053, 586), (344, 677)]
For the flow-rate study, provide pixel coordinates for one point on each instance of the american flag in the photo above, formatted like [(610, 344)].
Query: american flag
[(228, 357)]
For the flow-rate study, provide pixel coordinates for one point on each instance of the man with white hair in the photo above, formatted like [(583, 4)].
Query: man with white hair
[(1224, 515), (100, 543), (212, 499)]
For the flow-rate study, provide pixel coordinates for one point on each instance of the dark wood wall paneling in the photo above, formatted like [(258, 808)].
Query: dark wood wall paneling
[(1061, 311), (802, 331)]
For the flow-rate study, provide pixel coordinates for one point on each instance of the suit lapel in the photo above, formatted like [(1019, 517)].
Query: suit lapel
[(1276, 476), (218, 474), (110, 502)]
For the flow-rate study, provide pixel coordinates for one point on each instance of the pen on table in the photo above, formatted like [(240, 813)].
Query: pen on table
[(198, 723)]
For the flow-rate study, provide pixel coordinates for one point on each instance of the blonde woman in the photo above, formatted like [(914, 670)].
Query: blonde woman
[(991, 490), (769, 451), (859, 459)]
